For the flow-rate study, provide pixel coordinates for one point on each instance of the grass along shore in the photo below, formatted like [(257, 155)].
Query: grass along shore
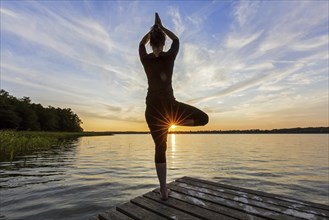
[(17, 143)]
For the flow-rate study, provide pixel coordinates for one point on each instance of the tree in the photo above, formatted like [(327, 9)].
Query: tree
[(8, 117), (22, 114), (29, 119), (68, 121), (47, 117)]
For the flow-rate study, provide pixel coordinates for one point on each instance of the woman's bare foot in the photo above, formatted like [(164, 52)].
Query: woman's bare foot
[(164, 193)]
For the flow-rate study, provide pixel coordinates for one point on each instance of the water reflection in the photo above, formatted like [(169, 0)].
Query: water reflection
[(31, 184), (40, 167), (173, 142)]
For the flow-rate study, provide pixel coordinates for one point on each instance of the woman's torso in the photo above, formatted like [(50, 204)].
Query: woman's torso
[(159, 71)]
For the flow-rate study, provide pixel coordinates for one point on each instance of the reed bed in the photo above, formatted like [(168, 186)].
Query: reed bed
[(17, 143)]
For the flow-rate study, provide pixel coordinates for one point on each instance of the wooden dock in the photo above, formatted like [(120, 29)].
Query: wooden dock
[(192, 198)]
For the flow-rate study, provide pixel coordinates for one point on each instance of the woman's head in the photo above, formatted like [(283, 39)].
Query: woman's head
[(158, 37)]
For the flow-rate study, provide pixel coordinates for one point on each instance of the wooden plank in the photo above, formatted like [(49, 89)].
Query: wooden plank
[(271, 195), (95, 217), (275, 203), (138, 213), (162, 209), (189, 208), (261, 212), (271, 207), (210, 208), (113, 214)]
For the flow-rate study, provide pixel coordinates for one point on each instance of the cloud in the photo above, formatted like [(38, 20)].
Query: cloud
[(311, 44), (237, 87), (241, 41), (179, 26), (245, 12), (8, 12), (127, 118), (33, 79), (113, 108)]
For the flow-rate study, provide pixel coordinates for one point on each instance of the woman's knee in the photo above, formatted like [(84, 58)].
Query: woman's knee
[(203, 119)]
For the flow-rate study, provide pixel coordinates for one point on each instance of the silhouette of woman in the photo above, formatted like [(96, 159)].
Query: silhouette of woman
[(162, 109)]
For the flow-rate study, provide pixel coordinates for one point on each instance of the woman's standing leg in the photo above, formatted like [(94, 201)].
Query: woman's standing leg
[(159, 135), (159, 132)]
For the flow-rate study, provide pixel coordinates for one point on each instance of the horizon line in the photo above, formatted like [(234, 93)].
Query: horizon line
[(218, 130)]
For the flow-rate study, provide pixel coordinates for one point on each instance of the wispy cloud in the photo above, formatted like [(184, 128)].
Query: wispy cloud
[(179, 26), (246, 56)]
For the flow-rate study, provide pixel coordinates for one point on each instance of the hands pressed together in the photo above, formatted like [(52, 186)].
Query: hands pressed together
[(158, 24), (158, 21)]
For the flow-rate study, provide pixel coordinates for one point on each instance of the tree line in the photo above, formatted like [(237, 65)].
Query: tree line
[(22, 114)]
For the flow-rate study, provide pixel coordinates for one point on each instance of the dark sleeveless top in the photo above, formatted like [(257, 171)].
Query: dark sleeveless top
[(159, 72)]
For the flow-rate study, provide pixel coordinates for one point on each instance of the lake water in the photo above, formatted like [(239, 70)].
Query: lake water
[(96, 173)]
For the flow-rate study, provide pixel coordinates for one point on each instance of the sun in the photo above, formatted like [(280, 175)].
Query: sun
[(173, 126)]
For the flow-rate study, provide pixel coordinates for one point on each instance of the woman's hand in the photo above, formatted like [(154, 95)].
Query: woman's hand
[(158, 20)]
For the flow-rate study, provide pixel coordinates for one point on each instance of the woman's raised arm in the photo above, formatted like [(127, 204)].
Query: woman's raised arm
[(145, 39)]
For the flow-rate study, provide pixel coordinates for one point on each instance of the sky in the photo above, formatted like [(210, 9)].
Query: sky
[(247, 64)]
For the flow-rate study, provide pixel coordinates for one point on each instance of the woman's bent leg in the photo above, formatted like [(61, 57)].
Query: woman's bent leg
[(187, 115)]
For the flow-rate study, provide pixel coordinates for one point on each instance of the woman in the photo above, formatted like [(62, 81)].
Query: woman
[(162, 110)]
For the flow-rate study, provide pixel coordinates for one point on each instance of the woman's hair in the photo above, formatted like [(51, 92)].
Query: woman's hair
[(158, 37)]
